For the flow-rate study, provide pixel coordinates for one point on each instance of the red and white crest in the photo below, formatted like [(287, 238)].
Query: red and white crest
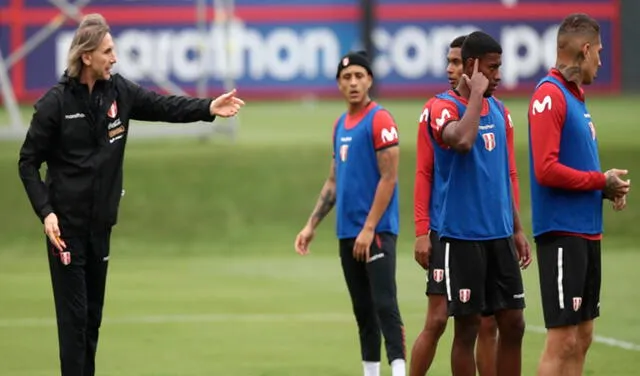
[(464, 295), (593, 130), (343, 152), (438, 275), (577, 303), (489, 141), (65, 257), (345, 61), (113, 110)]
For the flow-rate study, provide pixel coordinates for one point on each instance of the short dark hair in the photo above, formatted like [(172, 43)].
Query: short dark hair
[(478, 44), (457, 43), (579, 23)]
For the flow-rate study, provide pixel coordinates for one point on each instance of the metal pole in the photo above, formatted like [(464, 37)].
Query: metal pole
[(46, 31), (9, 96), (223, 21), (367, 26), (201, 25)]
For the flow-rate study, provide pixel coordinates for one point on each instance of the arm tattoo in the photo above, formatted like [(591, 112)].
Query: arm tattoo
[(387, 163), (325, 203), (327, 198)]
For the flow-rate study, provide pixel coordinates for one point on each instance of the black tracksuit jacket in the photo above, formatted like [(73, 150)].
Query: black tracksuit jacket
[(81, 137)]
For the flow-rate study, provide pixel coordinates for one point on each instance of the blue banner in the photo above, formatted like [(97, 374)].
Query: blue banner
[(272, 51)]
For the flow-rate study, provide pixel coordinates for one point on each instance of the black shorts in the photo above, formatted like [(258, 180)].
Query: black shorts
[(435, 273), (570, 272), (482, 277)]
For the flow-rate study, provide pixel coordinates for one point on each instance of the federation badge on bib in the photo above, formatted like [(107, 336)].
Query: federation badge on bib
[(343, 152), (489, 141)]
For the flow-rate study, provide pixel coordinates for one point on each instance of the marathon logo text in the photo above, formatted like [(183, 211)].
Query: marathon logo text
[(303, 54)]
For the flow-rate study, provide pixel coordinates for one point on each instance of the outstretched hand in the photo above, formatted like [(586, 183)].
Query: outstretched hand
[(226, 105)]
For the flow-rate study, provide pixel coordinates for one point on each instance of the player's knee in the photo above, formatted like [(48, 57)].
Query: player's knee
[(466, 329), (568, 347), (488, 328), (386, 307), (563, 342), (364, 313), (436, 323), (512, 327), (584, 338)]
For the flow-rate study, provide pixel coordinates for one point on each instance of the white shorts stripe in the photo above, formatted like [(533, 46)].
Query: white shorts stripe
[(560, 278), (447, 276)]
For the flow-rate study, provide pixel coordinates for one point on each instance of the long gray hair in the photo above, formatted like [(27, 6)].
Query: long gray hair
[(87, 38)]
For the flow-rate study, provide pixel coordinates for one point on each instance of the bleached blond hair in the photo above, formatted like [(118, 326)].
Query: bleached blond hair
[(87, 38)]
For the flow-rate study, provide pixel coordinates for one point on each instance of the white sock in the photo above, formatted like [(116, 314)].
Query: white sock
[(371, 368), (398, 367)]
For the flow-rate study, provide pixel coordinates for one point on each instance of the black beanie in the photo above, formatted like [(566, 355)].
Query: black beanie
[(354, 58)]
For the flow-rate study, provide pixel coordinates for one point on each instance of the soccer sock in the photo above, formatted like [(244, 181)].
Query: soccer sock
[(398, 368), (371, 368)]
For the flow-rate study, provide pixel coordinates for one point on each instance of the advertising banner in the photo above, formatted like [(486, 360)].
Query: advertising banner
[(289, 48)]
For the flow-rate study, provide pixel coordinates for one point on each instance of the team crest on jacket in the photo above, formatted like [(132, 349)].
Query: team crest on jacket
[(489, 141), (438, 275), (464, 295), (113, 110), (343, 152)]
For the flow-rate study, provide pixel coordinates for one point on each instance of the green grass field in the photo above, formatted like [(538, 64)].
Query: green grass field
[(204, 279)]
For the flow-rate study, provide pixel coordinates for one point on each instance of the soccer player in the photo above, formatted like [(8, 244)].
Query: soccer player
[(429, 252), (567, 189), (362, 184), (80, 128), (483, 240)]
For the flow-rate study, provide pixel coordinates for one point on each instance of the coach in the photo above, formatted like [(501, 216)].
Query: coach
[(79, 129)]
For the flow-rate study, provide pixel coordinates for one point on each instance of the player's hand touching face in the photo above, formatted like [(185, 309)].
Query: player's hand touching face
[(486, 71), (354, 83), (474, 81)]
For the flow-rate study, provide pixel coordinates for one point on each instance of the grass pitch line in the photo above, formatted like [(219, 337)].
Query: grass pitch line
[(608, 341), (263, 317)]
